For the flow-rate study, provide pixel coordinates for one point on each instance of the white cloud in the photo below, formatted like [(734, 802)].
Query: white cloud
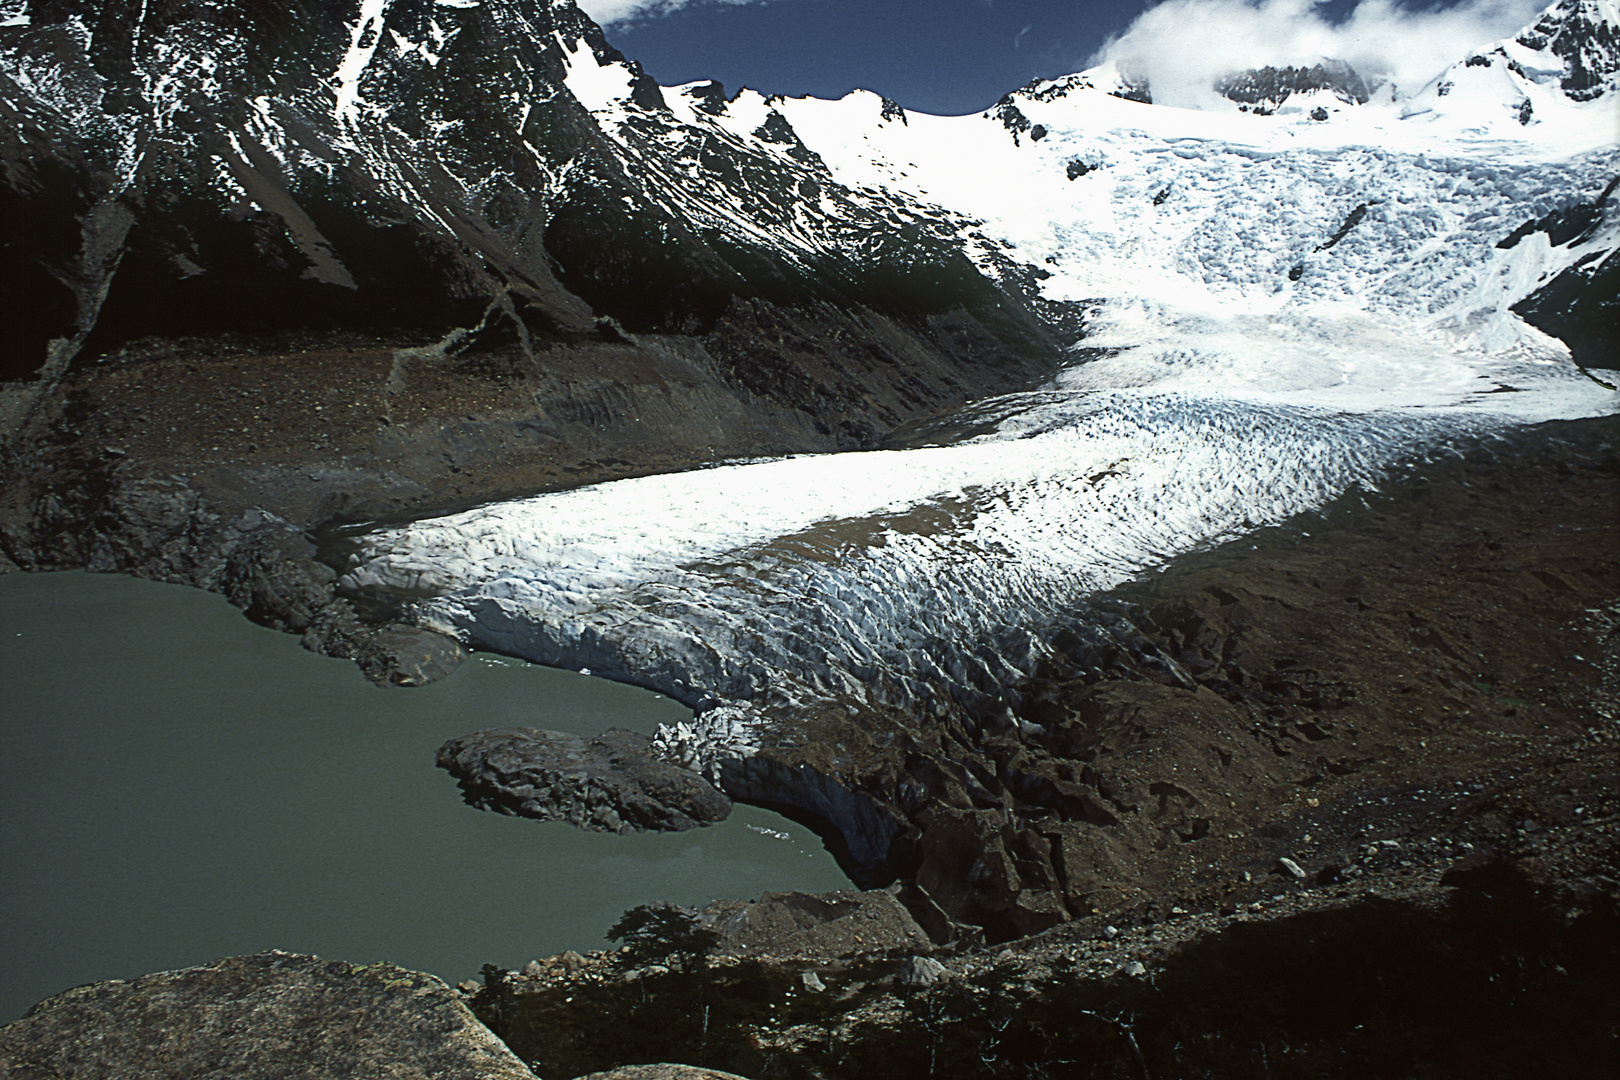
[(1182, 46), (606, 12)]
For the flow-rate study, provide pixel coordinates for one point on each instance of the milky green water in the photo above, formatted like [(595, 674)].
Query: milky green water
[(178, 784)]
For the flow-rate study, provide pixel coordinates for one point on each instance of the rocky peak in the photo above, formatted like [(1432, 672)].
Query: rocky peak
[(1585, 35), (709, 97), (1263, 90)]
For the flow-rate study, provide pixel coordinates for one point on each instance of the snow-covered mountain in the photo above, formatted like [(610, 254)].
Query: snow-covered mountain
[(1278, 306), (430, 172)]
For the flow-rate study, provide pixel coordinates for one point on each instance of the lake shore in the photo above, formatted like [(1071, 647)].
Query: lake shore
[(1419, 691)]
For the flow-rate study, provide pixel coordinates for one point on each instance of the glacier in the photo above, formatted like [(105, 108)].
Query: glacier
[(1277, 309)]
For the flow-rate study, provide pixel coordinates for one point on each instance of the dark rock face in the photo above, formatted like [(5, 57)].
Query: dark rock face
[(861, 829), (1264, 89), (607, 783), (1581, 306), (1011, 116), (272, 1014), (316, 181), (1576, 32)]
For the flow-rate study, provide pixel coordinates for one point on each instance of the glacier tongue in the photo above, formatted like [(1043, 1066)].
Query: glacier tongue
[(1279, 308), (887, 575)]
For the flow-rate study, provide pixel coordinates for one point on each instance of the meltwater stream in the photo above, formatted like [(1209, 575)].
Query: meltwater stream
[(177, 785)]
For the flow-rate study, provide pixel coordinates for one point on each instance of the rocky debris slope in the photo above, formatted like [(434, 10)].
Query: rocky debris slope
[(662, 1072), (606, 783), (1415, 635), (1462, 928), (272, 1014), (809, 927)]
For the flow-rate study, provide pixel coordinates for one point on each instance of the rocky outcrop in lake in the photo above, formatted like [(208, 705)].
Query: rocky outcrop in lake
[(606, 783)]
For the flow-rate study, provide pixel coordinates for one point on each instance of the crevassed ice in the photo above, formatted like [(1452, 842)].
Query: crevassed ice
[(875, 574), (1234, 393)]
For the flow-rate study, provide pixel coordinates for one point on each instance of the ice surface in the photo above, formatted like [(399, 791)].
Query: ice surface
[(875, 574), (1285, 307)]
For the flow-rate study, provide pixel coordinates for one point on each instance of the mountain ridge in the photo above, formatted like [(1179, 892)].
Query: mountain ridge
[(517, 216)]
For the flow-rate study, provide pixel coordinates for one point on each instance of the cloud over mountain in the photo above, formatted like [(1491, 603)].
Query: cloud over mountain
[(608, 12), (1182, 46)]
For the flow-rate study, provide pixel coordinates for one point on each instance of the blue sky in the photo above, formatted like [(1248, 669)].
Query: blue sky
[(935, 55), (947, 56), (957, 56)]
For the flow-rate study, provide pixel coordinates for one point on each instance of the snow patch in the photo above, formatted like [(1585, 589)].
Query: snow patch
[(364, 36), (598, 86)]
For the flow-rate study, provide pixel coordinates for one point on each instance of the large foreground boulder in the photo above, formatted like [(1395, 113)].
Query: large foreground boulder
[(272, 1014), (607, 783)]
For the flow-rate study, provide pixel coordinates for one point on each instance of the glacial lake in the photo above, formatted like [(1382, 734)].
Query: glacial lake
[(178, 784)]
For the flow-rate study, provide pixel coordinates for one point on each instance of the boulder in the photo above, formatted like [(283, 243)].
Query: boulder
[(272, 1014), (402, 655), (919, 972), (607, 783)]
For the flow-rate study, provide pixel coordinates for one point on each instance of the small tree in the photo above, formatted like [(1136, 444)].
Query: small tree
[(663, 934), (494, 1004)]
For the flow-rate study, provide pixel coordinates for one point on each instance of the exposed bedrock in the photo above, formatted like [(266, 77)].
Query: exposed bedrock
[(167, 529), (606, 783), (1582, 304), (272, 1014)]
